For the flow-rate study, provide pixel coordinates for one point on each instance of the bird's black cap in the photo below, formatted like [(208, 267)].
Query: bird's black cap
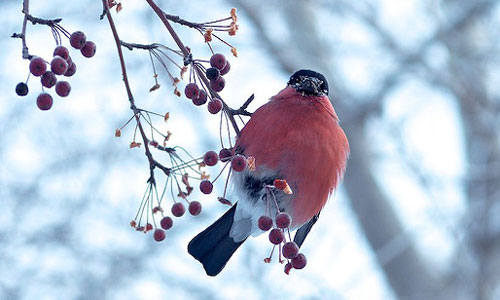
[(309, 82)]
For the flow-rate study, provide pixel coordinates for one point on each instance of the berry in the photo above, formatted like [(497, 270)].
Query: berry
[(178, 209), (49, 79), (63, 88), (149, 227), (166, 223), (239, 163), (210, 158), (88, 50), (299, 261), (226, 69), (265, 223), (37, 66), (62, 52), (206, 186), (194, 208), (77, 39), (159, 235), (218, 84), (290, 250), (218, 61), (22, 89), (212, 73), (59, 65), (201, 99), (214, 106), (225, 154), (44, 101), (283, 220), (71, 69), (288, 267), (276, 236), (192, 91)]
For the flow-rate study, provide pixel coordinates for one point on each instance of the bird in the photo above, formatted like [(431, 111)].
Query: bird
[(294, 137)]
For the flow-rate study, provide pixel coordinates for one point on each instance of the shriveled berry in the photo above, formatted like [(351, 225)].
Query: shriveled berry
[(276, 236), (59, 65), (283, 220), (62, 52), (218, 61), (149, 227), (212, 73), (159, 235), (201, 99), (178, 209), (166, 223), (290, 250), (218, 84), (214, 106), (77, 39), (22, 89), (49, 79), (194, 208), (63, 88), (288, 268), (44, 101), (225, 154), (206, 186), (71, 70), (88, 50), (226, 69), (210, 158), (37, 66), (239, 163), (192, 91), (299, 261), (265, 223)]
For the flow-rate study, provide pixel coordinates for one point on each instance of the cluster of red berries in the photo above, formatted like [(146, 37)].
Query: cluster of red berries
[(219, 67), (238, 164), (61, 64), (277, 236)]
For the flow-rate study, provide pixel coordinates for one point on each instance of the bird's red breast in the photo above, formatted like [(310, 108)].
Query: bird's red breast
[(298, 136)]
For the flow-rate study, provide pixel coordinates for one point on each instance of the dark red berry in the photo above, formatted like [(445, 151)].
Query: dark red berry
[(159, 235), (239, 163), (218, 84), (276, 236), (62, 52), (149, 227), (290, 250), (77, 39), (225, 154), (206, 186), (63, 88), (71, 70), (265, 223), (22, 89), (201, 99), (178, 209), (288, 267), (59, 65), (226, 69), (166, 223), (299, 261), (210, 158), (283, 220), (214, 106), (212, 73), (194, 208), (37, 66), (218, 61), (192, 91), (44, 101), (88, 50), (49, 79)]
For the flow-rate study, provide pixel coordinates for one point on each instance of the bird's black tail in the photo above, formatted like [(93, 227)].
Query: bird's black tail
[(213, 247)]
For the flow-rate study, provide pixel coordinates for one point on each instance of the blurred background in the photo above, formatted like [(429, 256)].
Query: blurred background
[(415, 84)]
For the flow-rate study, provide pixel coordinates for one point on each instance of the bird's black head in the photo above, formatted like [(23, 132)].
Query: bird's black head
[(309, 83)]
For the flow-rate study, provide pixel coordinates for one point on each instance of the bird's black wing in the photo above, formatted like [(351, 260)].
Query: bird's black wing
[(303, 231)]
